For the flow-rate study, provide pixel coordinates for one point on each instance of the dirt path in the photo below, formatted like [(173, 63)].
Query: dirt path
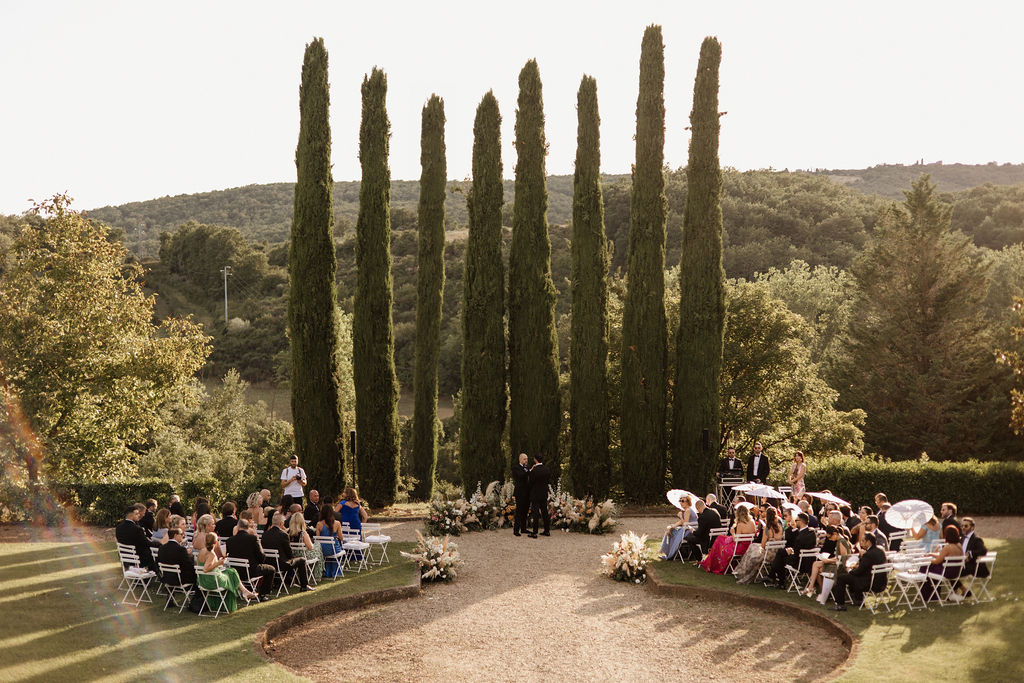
[(526, 609)]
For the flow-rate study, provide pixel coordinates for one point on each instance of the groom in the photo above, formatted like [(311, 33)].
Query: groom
[(521, 479), (539, 479)]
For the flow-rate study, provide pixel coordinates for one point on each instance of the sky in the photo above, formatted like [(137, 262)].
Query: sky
[(113, 102)]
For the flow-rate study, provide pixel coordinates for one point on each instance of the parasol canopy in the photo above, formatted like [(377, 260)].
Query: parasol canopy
[(909, 514), (675, 495), (829, 498)]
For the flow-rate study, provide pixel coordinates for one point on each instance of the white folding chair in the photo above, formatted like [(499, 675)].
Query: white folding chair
[(943, 584), (248, 580), (762, 570), (330, 556), (179, 586), (274, 559), (373, 534), (135, 577), (299, 550), (738, 540), (896, 539), (219, 592), (909, 582), (798, 578), (355, 548), (881, 596), (977, 586), (787, 491)]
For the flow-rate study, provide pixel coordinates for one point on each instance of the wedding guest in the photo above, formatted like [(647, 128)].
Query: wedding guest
[(973, 547), (352, 512), (930, 531), (796, 476), (697, 543), (226, 525), (245, 545), (837, 547), (674, 533), (521, 492), (265, 495), (812, 520), (276, 538), (128, 532), (312, 511), (205, 525), (254, 503), (750, 565), (175, 553), (711, 500), (176, 507), (871, 526), (948, 512), (801, 538), (540, 478), (857, 529), (859, 578), (882, 503), (299, 536), (161, 523), (850, 520), (219, 576), (202, 508), (329, 527), (148, 518), (179, 522), (726, 546), (952, 548)]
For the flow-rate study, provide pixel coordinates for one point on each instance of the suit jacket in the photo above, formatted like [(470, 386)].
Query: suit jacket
[(948, 521), (707, 520), (246, 546), (763, 468), (802, 539), (147, 522), (226, 527), (311, 514), (722, 511), (733, 469), (540, 476), (975, 549), (172, 553), (883, 525), (861, 574), (276, 539), (521, 479), (128, 532)]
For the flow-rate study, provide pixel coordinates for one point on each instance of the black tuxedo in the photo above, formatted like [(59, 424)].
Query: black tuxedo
[(226, 527), (731, 468), (172, 552), (539, 479), (128, 532), (311, 514), (277, 539), (797, 539), (521, 490), (147, 522), (949, 521), (975, 549), (697, 543), (246, 546), (722, 511), (761, 472), (859, 578)]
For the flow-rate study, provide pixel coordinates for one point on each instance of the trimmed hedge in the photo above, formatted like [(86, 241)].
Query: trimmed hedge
[(105, 502), (977, 488)]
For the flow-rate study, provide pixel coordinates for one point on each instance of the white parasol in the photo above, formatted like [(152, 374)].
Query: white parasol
[(675, 495), (909, 514), (829, 498), (790, 506), (747, 487), (744, 504), (762, 491)]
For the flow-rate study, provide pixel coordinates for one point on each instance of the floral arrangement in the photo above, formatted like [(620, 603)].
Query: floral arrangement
[(446, 517), (583, 516), (479, 512), (500, 498), (628, 559), (438, 559)]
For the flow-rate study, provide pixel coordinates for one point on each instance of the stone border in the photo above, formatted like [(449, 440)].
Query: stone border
[(816, 617), (275, 627)]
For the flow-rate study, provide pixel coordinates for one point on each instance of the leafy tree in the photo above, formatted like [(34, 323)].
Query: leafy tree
[(588, 405), (85, 370), (312, 323), (696, 421), (373, 337), (430, 286), (1015, 361), (484, 400), (532, 344), (644, 344)]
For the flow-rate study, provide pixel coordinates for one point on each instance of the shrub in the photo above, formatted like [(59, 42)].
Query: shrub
[(105, 502)]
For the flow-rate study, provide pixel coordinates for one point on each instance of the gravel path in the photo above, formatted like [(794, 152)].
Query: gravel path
[(533, 609)]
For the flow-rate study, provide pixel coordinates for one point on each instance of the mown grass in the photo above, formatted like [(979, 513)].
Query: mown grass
[(958, 643), (60, 620)]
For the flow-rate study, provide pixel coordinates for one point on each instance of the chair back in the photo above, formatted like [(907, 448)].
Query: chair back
[(956, 562), (371, 529), (166, 570), (274, 556), (880, 570), (987, 560), (350, 534)]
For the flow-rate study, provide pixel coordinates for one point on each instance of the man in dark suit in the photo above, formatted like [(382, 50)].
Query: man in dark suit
[(871, 526), (245, 545), (948, 512), (225, 527), (711, 500), (128, 532), (312, 511), (697, 543), (173, 552), (148, 520), (973, 547), (730, 467), (176, 507), (539, 479), (859, 578), (758, 466), (521, 491), (799, 538), (276, 538)]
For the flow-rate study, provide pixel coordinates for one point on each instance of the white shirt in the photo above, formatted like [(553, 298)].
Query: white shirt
[(294, 488), (967, 538), (757, 463)]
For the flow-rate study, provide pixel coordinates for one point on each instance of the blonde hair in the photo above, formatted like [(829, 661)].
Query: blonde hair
[(351, 494), (742, 514), (296, 525), (203, 521), (211, 540), (254, 500)]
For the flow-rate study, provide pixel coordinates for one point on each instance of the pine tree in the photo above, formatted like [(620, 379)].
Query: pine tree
[(429, 288), (312, 317), (484, 400), (372, 334), (644, 343), (696, 424), (588, 358), (532, 342)]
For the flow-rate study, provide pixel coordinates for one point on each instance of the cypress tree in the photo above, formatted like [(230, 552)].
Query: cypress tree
[(644, 343), (588, 357), (312, 318), (373, 341), (429, 288), (483, 304), (532, 343), (696, 424)]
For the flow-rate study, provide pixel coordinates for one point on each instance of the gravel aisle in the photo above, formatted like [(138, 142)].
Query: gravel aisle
[(533, 609)]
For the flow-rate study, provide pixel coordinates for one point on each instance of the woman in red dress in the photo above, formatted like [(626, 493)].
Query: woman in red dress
[(722, 551)]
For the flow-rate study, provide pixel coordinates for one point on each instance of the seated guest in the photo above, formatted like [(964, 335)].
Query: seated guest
[(202, 508), (726, 546), (148, 518), (836, 549), (219, 576), (750, 565), (871, 527), (276, 538), (283, 506), (973, 547), (226, 526), (205, 525), (312, 512), (268, 514), (254, 503), (952, 548), (850, 520), (174, 552), (179, 522), (161, 523), (812, 520), (245, 545), (329, 527), (800, 538), (128, 532), (711, 500), (857, 529), (696, 544), (295, 509), (948, 512), (675, 532), (834, 518), (299, 534), (858, 579), (176, 507), (929, 531)]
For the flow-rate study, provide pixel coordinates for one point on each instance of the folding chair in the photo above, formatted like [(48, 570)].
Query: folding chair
[(909, 583), (942, 584), (762, 571), (896, 539), (798, 578), (735, 559), (373, 535), (299, 550), (219, 593), (330, 556), (134, 577), (274, 558), (248, 580), (186, 589), (787, 491), (882, 596), (355, 548), (975, 585)]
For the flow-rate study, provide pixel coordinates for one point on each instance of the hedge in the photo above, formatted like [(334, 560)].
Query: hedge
[(977, 488), (105, 502)]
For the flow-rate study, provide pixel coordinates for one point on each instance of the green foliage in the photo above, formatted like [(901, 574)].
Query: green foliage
[(696, 422), (429, 290), (373, 344), (105, 502), (1014, 359), (312, 316), (644, 343), (483, 399), (532, 344), (588, 405), (889, 180), (199, 252)]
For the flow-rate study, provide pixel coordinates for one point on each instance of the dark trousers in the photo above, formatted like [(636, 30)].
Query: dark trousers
[(296, 565), (266, 573), (778, 571), (691, 549), (538, 510), (857, 589), (522, 515)]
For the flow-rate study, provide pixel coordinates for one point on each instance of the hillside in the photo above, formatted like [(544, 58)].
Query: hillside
[(889, 180)]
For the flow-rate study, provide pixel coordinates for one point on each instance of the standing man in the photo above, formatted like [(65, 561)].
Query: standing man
[(539, 479), (293, 478), (521, 491), (757, 465), (730, 467)]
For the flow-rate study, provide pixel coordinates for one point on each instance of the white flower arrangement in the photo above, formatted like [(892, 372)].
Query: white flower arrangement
[(628, 559), (438, 559)]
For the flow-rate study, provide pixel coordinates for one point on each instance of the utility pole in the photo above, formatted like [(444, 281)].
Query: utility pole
[(227, 271)]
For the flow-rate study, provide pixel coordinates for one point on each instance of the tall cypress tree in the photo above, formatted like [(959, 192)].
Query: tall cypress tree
[(696, 425), (532, 342), (483, 305), (429, 288), (644, 343), (588, 357), (373, 341), (312, 324)]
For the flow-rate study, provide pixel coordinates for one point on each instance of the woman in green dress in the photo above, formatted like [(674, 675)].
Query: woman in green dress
[(314, 555), (219, 576)]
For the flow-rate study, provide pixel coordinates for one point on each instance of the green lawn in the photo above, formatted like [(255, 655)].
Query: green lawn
[(60, 620), (958, 643)]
